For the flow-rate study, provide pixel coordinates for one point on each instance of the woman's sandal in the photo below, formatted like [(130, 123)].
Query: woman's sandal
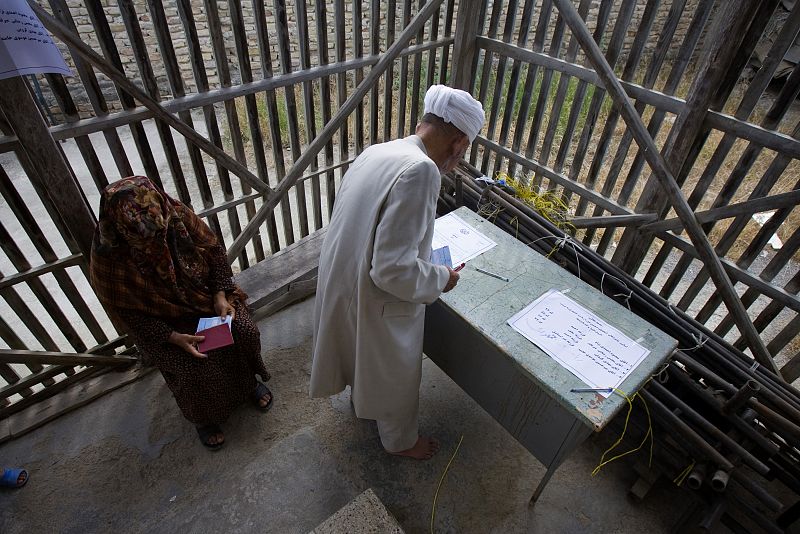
[(205, 432), (262, 390), (11, 478)]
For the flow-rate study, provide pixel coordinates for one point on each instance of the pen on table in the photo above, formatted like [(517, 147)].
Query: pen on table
[(459, 267), (591, 390), (493, 275)]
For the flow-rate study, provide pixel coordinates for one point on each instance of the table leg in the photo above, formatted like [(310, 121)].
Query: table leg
[(542, 484), (577, 434)]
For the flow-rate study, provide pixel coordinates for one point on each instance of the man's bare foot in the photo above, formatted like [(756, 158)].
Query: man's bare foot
[(423, 449)]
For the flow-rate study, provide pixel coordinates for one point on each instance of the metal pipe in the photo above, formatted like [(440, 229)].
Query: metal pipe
[(740, 398), (697, 476), (695, 441), (719, 481), (715, 432)]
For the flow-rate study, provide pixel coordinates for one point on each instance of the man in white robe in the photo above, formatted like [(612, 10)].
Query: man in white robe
[(375, 277)]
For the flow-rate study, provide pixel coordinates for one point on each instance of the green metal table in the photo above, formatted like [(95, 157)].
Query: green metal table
[(519, 385)]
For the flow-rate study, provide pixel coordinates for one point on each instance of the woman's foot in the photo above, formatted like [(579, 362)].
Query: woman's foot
[(211, 436), (262, 397), (423, 449)]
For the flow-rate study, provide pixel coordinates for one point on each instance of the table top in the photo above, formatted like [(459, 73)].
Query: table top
[(487, 303)]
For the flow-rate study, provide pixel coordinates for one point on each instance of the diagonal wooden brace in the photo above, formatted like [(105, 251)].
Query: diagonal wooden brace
[(310, 153), (85, 51), (667, 181)]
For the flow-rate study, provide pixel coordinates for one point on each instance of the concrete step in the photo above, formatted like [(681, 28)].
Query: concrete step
[(364, 514)]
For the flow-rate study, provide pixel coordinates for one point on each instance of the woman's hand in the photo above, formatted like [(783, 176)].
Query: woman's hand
[(187, 342), (222, 306)]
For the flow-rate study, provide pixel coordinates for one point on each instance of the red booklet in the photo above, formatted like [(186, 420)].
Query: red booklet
[(215, 337)]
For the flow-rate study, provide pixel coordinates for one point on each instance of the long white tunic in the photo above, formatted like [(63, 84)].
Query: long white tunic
[(375, 279)]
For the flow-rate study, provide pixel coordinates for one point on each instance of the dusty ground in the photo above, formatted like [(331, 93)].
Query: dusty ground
[(129, 462)]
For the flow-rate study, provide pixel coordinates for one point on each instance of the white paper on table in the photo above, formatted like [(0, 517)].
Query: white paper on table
[(465, 242), (25, 45), (209, 322), (579, 340)]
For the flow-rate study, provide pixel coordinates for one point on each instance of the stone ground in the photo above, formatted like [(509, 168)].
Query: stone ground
[(128, 462)]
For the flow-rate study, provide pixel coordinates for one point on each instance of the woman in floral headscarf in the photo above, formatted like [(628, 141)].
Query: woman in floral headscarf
[(160, 268)]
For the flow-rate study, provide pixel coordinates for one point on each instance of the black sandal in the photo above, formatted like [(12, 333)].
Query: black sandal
[(262, 390), (205, 432)]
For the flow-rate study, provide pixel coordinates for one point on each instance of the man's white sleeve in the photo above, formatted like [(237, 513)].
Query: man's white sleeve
[(396, 267)]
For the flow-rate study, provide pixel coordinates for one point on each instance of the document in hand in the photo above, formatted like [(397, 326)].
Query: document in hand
[(441, 256), (216, 331)]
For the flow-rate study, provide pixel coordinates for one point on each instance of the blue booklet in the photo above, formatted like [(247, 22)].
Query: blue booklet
[(441, 256)]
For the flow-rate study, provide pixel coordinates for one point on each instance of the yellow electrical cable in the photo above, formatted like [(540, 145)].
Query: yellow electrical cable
[(436, 495), (678, 480), (648, 434)]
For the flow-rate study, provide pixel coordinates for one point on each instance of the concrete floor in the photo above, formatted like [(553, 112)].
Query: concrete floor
[(129, 462)]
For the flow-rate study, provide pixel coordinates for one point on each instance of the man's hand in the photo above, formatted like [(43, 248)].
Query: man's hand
[(187, 342), (451, 283), (222, 307)]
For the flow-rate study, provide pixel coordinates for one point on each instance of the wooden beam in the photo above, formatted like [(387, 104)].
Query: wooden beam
[(51, 170), (85, 51), (310, 153), (749, 207), (612, 220), (62, 358), (36, 272), (669, 185), (464, 46)]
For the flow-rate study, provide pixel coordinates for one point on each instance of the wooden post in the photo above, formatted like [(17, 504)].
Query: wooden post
[(728, 31), (51, 170), (668, 184), (464, 48)]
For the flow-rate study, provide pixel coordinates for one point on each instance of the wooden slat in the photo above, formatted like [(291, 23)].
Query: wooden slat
[(175, 80), (403, 95), (64, 99), (628, 73), (96, 98), (599, 221), (416, 80), (431, 68), (773, 268), (530, 80), (687, 133), (358, 52), (668, 184), (464, 49), (560, 97), (11, 338), (553, 176), (612, 55), (308, 107), (335, 123), (541, 103), (17, 258), (388, 80), (62, 358), (679, 65), (499, 82), (513, 83), (594, 106), (747, 158), (232, 119), (139, 49), (494, 23), (251, 109), (159, 112), (325, 88), (273, 120), (448, 31), (285, 54), (36, 272), (374, 50)]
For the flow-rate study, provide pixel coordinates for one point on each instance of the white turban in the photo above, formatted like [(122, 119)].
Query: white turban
[(456, 107)]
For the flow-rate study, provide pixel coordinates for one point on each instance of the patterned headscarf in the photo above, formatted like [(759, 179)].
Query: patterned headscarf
[(149, 252)]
